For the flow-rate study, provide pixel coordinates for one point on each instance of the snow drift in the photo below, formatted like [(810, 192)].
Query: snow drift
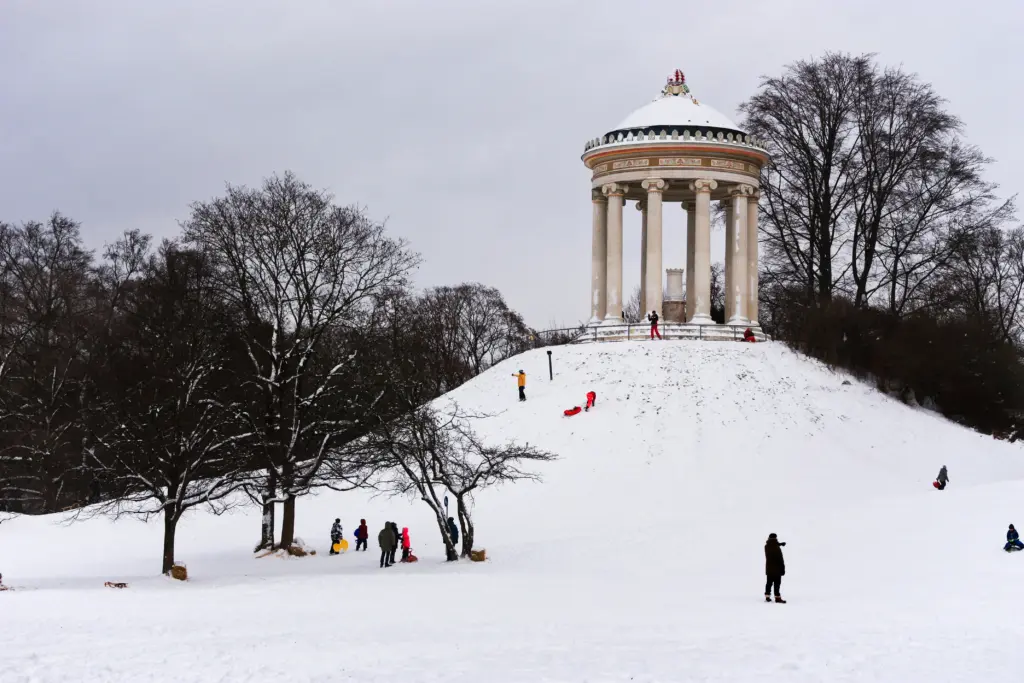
[(639, 557)]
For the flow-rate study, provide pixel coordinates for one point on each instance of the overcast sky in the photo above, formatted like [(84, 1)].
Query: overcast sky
[(459, 122)]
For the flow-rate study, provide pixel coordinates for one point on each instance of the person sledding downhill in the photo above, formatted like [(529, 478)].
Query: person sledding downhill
[(774, 568), (653, 318), (591, 400), (942, 479), (521, 377), (1012, 540)]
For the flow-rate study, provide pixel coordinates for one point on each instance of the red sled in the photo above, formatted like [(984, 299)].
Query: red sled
[(573, 411), (935, 484)]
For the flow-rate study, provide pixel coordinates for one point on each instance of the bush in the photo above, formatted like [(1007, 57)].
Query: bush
[(958, 365)]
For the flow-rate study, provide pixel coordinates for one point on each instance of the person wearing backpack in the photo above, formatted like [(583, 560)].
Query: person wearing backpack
[(361, 535)]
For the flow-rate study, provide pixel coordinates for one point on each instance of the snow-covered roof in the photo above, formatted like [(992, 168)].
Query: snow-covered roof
[(675, 115), (676, 111)]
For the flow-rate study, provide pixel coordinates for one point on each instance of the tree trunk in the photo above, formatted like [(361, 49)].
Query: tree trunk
[(267, 528), (288, 522), (466, 523), (170, 527)]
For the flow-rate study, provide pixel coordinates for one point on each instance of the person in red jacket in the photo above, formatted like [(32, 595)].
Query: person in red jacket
[(591, 400), (748, 335), (405, 544), (362, 533)]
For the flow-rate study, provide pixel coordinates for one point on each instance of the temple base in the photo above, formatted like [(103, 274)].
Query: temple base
[(606, 332)]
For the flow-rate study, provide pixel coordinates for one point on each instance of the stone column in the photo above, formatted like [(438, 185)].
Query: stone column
[(641, 206), (736, 256), (655, 288), (615, 193), (752, 275), (702, 251), (691, 234), (599, 259)]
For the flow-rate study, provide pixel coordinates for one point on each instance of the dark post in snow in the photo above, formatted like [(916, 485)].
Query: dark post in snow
[(551, 372)]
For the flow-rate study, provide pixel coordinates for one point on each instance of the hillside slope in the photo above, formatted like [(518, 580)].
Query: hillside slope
[(638, 557)]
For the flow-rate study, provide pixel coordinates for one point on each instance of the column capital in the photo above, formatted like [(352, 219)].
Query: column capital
[(654, 185), (613, 190), (702, 185), (754, 196), (597, 196), (741, 190), (641, 205)]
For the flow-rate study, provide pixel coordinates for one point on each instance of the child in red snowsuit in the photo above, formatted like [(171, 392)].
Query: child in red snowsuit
[(591, 400), (405, 544)]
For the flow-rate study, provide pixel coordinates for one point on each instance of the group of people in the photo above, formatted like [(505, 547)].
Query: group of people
[(390, 539)]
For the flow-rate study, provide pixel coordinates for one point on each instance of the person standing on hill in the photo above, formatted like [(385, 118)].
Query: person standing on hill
[(774, 568), (591, 400), (453, 531), (335, 535), (386, 541), (653, 318), (361, 535), (1012, 540), (521, 376), (397, 536), (943, 478)]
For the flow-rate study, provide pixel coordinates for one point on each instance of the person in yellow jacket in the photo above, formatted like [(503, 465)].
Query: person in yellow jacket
[(521, 376)]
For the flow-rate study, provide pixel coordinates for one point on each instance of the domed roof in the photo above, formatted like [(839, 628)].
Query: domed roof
[(676, 108)]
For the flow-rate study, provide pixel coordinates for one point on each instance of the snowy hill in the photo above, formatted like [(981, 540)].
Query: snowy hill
[(639, 557)]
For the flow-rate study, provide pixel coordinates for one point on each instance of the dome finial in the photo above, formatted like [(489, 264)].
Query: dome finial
[(676, 84)]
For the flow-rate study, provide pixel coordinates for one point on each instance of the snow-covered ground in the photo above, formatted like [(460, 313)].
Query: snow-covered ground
[(639, 557)]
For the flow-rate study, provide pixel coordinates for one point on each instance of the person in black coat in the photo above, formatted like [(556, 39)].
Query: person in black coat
[(453, 531), (774, 568), (397, 535)]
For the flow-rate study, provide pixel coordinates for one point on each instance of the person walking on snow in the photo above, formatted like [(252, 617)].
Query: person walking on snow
[(653, 317), (774, 568), (453, 531), (521, 376), (386, 541), (361, 534), (943, 478), (335, 535), (591, 400), (405, 544), (1012, 540)]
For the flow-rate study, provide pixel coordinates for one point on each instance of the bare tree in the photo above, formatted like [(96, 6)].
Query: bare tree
[(429, 453), (869, 180), (45, 293), (806, 120), (633, 309), (295, 267), (984, 280), (163, 428)]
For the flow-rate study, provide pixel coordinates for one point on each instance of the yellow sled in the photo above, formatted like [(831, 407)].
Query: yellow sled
[(340, 547)]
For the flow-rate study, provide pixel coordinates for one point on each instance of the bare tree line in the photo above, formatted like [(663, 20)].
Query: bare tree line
[(274, 348), (874, 195)]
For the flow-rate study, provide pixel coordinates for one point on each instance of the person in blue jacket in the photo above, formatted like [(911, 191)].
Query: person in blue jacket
[(1012, 540)]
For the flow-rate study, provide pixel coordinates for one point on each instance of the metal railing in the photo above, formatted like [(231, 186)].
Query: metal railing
[(639, 332)]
